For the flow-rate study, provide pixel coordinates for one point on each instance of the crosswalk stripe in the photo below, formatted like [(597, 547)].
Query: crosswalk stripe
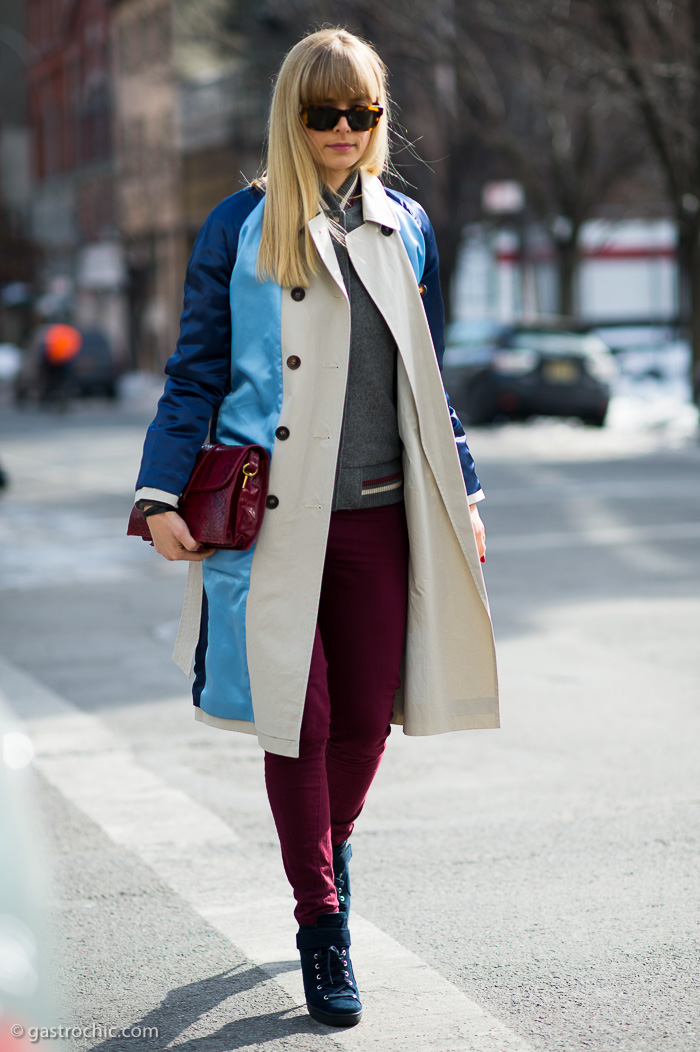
[(200, 858)]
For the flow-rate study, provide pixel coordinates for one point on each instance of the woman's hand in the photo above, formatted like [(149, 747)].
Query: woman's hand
[(173, 540), (479, 531)]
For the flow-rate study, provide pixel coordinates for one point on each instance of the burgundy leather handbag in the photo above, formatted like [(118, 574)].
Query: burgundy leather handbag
[(224, 500)]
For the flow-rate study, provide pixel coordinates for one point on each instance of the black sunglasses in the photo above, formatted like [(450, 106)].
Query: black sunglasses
[(325, 118)]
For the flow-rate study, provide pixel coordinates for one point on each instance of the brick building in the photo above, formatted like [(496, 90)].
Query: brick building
[(188, 122), (148, 172), (143, 116), (73, 194)]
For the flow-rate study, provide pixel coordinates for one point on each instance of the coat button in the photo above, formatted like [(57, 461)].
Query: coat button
[(272, 501), (282, 433), (298, 294), (387, 231), (293, 361), (422, 289)]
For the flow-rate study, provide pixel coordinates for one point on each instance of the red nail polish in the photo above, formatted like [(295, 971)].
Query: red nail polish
[(483, 558)]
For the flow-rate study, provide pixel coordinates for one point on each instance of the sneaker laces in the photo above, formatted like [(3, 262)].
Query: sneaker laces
[(332, 975)]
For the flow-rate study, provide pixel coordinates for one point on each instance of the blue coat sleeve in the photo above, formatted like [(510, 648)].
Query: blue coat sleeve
[(435, 313), (198, 372)]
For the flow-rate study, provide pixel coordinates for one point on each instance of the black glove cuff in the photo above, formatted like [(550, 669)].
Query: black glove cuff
[(153, 507)]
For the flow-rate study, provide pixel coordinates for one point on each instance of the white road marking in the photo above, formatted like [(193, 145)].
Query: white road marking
[(407, 1003), (563, 492), (613, 535)]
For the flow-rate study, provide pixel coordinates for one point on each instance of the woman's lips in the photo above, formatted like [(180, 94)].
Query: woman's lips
[(341, 147)]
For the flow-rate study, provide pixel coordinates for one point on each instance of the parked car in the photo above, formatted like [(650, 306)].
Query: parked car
[(648, 351), (519, 371), (92, 371)]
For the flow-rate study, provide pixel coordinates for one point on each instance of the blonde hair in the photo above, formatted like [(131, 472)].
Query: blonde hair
[(328, 64)]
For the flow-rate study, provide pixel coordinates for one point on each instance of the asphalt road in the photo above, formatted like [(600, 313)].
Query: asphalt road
[(536, 887)]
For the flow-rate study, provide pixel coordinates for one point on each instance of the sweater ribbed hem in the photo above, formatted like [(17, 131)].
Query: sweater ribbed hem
[(369, 487)]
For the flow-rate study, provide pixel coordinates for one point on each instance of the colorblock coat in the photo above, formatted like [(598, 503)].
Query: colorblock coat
[(260, 356)]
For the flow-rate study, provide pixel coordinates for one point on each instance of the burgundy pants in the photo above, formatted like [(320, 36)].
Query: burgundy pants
[(354, 674)]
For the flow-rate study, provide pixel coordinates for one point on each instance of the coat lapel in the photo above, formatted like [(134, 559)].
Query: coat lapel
[(398, 299), (376, 209), (320, 232)]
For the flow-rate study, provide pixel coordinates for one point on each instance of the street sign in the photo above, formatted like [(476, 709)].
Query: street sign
[(503, 198)]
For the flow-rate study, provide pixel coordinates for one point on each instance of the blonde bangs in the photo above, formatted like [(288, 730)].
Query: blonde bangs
[(339, 73)]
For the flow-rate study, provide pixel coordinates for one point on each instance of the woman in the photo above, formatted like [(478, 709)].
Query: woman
[(313, 325)]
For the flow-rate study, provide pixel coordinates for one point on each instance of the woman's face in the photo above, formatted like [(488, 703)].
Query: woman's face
[(339, 150)]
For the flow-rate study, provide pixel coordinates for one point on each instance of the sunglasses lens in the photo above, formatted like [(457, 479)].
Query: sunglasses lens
[(325, 118), (362, 119), (321, 118)]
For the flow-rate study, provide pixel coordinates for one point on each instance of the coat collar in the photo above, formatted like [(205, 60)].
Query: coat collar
[(376, 206)]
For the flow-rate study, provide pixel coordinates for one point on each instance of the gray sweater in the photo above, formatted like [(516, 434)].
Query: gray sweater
[(369, 471)]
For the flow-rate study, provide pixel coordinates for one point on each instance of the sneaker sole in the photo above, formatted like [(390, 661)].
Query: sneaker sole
[(331, 1019)]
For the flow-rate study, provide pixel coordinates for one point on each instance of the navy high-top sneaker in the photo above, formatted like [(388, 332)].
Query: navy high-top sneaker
[(341, 876), (329, 983)]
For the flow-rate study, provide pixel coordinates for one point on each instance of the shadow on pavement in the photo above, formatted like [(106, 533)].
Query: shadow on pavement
[(183, 1006)]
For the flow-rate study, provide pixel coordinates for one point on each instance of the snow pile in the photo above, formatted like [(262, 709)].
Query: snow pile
[(653, 392)]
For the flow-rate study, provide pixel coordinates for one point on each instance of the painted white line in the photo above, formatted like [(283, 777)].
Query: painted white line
[(238, 890), (568, 492), (626, 535), (94, 769)]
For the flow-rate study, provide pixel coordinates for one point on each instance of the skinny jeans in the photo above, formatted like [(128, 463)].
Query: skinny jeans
[(354, 674)]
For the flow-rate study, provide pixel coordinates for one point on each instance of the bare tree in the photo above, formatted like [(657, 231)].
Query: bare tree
[(507, 90), (493, 88)]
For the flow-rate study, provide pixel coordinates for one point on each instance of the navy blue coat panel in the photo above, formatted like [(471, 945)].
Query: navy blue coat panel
[(198, 373)]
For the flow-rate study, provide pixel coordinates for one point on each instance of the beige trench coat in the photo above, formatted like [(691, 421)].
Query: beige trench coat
[(449, 679)]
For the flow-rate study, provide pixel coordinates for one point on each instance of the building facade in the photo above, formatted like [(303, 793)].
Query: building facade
[(627, 269), (18, 258), (148, 171), (74, 217), (187, 125)]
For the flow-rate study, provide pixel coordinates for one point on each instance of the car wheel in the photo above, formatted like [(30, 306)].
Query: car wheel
[(596, 420)]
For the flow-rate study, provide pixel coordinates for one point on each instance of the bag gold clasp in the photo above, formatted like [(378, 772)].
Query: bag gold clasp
[(247, 473)]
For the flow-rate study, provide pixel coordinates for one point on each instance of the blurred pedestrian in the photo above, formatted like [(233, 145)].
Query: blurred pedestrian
[(313, 325), (61, 344)]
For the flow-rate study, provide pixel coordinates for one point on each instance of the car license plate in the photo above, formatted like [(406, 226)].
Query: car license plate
[(561, 371)]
